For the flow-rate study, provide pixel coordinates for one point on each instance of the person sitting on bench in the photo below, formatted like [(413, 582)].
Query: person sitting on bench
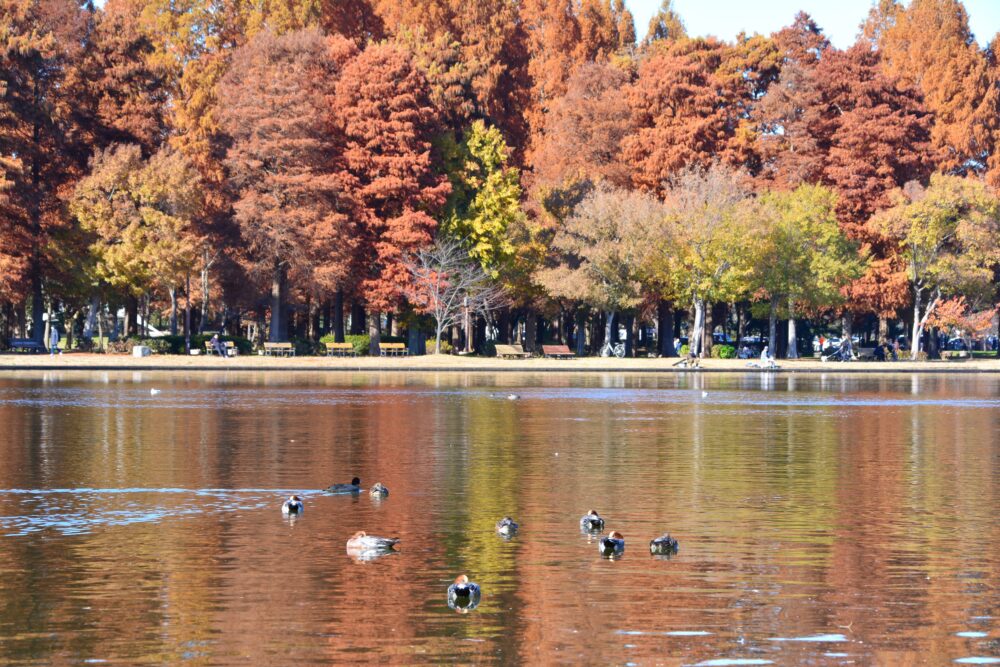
[(219, 346)]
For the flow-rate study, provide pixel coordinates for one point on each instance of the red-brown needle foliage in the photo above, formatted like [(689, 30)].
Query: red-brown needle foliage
[(285, 160), (388, 123)]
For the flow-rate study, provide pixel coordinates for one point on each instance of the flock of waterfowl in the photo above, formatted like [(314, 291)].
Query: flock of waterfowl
[(464, 595)]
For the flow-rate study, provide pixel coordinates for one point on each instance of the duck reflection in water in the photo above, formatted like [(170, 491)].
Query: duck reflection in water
[(464, 595)]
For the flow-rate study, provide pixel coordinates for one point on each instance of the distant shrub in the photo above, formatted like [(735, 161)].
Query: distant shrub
[(723, 352), (489, 348)]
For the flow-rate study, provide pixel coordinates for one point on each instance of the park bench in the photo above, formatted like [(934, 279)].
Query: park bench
[(557, 352), (393, 349), (511, 352), (279, 350), (340, 350), (26, 345), (866, 353), (230, 347)]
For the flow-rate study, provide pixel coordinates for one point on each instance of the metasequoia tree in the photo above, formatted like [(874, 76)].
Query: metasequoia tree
[(126, 86), (38, 42), (665, 24), (584, 130), (691, 105), (802, 260), (447, 283), (606, 27), (879, 139), (285, 161), (388, 124), (552, 34), (948, 236), (598, 251), (930, 47)]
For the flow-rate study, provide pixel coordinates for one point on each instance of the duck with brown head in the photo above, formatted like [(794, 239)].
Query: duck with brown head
[(591, 522), (612, 545), (292, 506), (464, 595)]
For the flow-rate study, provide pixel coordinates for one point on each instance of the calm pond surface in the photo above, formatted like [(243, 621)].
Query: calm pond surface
[(822, 519)]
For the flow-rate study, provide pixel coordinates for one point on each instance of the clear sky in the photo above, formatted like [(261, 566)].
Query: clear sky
[(838, 18)]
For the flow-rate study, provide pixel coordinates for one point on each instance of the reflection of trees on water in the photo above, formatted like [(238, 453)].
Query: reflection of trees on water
[(794, 518)]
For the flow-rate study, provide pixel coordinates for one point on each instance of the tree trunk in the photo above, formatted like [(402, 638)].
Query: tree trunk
[(413, 339), (581, 332), (708, 332), (698, 328), (630, 330), (357, 318), (665, 329), (530, 330), (173, 310), (338, 316), (374, 333), (91, 321), (793, 346), (206, 264), (277, 304), (918, 327), (772, 328), (610, 328), (131, 316), (37, 304), (187, 313)]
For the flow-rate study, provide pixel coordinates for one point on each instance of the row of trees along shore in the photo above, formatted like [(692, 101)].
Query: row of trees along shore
[(291, 169)]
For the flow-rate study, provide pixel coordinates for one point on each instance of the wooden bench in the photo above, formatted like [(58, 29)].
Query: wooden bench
[(230, 347), (393, 349), (866, 353), (26, 345), (511, 352), (279, 350), (557, 352), (340, 350)]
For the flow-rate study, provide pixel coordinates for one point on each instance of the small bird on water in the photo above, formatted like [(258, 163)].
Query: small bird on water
[(154, 391), (292, 506), (612, 545), (663, 545), (379, 490), (463, 595), (506, 527), (353, 487), (512, 397), (591, 521), (362, 541)]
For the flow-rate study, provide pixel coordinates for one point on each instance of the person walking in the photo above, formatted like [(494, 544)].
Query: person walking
[(53, 340)]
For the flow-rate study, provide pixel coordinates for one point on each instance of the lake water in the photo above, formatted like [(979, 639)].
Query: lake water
[(822, 519)]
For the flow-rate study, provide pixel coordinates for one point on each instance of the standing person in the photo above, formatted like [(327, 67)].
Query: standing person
[(895, 349), (53, 340)]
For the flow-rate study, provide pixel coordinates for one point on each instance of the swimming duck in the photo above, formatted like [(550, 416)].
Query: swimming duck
[(506, 527), (591, 521), (292, 506), (663, 545), (353, 487), (613, 544), (463, 595), (154, 391), (362, 541), (512, 397), (379, 490)]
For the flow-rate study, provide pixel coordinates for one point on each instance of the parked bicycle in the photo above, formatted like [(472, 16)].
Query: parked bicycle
[(616, 349)]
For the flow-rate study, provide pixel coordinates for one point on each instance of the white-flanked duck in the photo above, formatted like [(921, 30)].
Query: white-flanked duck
[(292, 506), (362, 541), (463, 595), (612, 545), (353, 487), (591, 521), (507, 527), (379, 490), (663, 545)]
